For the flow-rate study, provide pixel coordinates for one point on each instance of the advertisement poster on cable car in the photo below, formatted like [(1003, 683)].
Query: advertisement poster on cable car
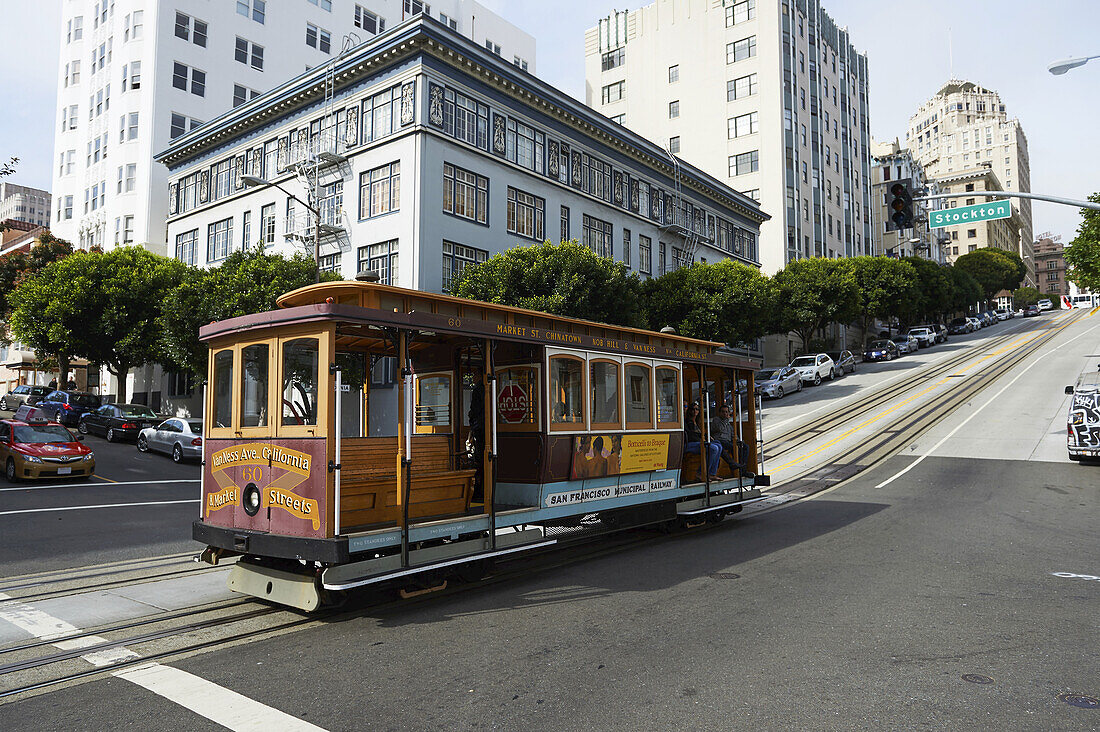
[(267, 487), (597, 456)]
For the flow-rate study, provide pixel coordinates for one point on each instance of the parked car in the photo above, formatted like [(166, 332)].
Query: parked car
[(986, 320), (181, 438), (814, 368), (1083, 420), (118, 421), (41, 449), (960, 326), (1003, 314), (22, 394), (29, 412), (844, 361), (975, 323), (1031, 310), (775, 383), (906, 343), (941, 332), (992, 316), (925, 336), (1045, 305), (66, 407), (880, 350)]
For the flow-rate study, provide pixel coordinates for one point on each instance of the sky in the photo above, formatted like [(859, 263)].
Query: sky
[(1004, 45)]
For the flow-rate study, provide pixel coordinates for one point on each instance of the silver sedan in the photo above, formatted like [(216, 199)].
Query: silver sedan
[(179, 437), (775, 383)]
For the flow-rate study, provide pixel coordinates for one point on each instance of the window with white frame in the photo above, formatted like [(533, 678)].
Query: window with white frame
[(466, 119), (740, 12), (380, 258), (133, 26), (368, 21), (185, 246), (127, 229), (242, 94), (75, 29), (492, 47), (748, 162), (181, 124), (322, 4), (318, 38), (673, 74), (741, 50), (674, 144), (249, 53), (525, 146), (219, 237), (741, 87), (255, 9), (613, 59), (267, 225), (626, 247), (526, 214), (674, 109), (645, 254), (191, 29), (416, 7), (596, 235), (131, 76), (745, 124), (613, 92), (448, 21), (380, 190), (456, 257), (182, 74), (465, 194)]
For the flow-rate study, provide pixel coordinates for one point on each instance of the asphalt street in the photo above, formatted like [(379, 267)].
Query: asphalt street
[(34, 539)]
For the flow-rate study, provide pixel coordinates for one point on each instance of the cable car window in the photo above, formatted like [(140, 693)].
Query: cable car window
[(566, 392), (639, 397), (604, 380), (223, 389), (433, 401), (300, 358), (254, 368), (668, 397), (517, 397)]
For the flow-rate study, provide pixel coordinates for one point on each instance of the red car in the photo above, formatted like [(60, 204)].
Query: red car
[(41, 449)]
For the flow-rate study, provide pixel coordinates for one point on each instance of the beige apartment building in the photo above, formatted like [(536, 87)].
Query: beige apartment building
[(892, 163), (768, 96), (965, 126), (998, 233)]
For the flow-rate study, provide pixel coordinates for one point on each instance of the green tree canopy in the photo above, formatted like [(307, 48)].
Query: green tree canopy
[(725, 301), (246, 282), (562, 279), (1018, 262), (931, 292), (102, 307), (883, 286), (811, 293), (1083, 253), (14, 268), (965, 290), (992, 271), (1025, 296)]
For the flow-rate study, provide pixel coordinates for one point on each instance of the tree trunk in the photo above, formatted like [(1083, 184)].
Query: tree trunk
[(62, 371), (120, 372)]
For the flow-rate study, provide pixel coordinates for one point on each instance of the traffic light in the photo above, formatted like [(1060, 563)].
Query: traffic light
[(901, 207)]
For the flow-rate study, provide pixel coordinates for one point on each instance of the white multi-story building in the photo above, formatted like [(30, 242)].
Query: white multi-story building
[(769, 96), (965, 126), (23, 203), (135, 74), (892, 164), (434, 153)]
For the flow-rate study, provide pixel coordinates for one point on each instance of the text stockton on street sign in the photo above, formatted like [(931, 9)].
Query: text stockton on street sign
[(969, 214)]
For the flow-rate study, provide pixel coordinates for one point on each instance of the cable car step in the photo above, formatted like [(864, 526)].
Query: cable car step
[(720, 502)]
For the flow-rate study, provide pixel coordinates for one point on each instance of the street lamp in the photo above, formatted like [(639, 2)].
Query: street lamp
[(254, 181), (1060, 67)]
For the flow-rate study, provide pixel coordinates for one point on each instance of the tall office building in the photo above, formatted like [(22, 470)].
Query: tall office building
[(136, 74), (965, 126), (23, 203), (790, 88)]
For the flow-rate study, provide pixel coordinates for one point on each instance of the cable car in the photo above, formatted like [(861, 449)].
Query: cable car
[(363, 434)]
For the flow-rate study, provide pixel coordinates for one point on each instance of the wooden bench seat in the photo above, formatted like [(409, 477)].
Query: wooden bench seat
[(368, 481)]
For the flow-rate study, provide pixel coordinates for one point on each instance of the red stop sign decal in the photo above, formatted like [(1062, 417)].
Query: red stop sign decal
[(512, 404)]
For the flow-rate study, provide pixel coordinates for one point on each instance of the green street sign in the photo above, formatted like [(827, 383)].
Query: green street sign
[(969, 214)]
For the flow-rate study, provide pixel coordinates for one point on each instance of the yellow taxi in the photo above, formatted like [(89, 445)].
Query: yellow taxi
[(37, 448)]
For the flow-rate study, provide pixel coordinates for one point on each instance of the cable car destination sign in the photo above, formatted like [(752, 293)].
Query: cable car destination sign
[(969, 214)]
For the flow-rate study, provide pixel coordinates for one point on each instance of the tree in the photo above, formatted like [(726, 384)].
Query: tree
[(246, 282), (726, 301), (810, 294), (14, 268), (102, 307), (965, 290), (931, 293), (993, 272), (883, 285), (1083, 253), (563, 279), (1026, 296), (1017, 261)]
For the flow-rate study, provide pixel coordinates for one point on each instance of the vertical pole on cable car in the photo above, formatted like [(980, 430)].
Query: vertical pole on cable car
[(405, 436), (336, 466), (740, 458), (488, 489), (202, 462), (704, 444)]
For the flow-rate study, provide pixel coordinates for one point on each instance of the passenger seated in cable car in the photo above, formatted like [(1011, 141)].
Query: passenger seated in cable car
[(734, 451), (693, 435)]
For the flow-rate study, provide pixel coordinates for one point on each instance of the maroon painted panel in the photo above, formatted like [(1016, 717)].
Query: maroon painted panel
[(291, 475)]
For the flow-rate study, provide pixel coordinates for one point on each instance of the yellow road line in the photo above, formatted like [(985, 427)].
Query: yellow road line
[(102, 478)]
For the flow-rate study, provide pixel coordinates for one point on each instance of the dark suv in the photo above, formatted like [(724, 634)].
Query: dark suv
[(67, 406), (23, 394)]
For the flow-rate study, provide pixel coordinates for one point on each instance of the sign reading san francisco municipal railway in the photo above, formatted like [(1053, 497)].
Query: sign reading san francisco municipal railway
[(969, 214)]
